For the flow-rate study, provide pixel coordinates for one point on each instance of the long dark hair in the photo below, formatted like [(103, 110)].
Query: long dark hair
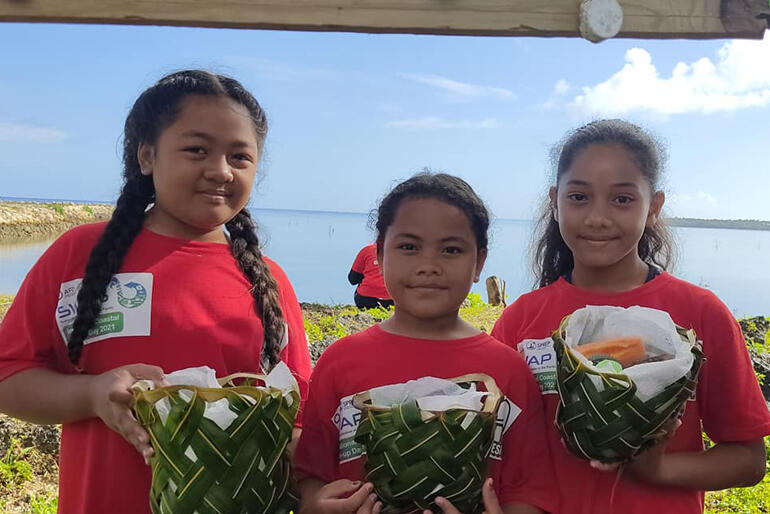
[(551, 256), (447, 188), (154, 110)]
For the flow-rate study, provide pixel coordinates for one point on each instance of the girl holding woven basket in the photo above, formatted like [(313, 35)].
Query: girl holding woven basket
[(160, 287), (431, 246), (603, 243)]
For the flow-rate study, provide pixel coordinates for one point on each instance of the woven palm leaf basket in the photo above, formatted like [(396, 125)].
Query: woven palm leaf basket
[(602, 414), (201, 467), (414, 455)]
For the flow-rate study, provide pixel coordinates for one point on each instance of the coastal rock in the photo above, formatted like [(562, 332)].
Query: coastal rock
[(31, 221)]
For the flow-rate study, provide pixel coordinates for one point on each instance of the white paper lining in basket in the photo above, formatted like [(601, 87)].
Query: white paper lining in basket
[(219, 411), (658, 333), (432, 395)]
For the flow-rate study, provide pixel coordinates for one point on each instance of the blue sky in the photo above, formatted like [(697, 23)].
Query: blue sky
[(352, 113)]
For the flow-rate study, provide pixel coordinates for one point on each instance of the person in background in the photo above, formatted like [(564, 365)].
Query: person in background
[(371, 292)]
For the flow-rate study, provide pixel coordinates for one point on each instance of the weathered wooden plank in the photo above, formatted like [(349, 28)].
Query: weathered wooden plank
[(644, 19)]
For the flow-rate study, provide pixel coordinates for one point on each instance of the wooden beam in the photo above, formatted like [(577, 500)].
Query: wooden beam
[(699, 19)]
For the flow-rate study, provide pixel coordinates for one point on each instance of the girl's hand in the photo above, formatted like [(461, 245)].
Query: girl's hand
[(648, 465), (342, 497), (491, 504), (112, 400)]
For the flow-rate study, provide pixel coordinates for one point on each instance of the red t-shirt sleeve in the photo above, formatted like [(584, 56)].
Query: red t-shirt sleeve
[(28, 333), (317, 452), (731, 404), (527, 469), (360, 262), (295, 354)]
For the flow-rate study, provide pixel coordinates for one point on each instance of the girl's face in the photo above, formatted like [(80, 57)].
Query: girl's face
[(603, 203), (203, 167), (429, 258)]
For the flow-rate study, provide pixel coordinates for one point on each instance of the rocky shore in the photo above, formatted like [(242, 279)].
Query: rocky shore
[(31, 221)]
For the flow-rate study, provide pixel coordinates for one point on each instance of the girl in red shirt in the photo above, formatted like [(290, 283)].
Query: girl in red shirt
[(603, 242), (160, 287), (431, 245)]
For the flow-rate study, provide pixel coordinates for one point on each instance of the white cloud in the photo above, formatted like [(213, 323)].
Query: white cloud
[(442, 123), (560, 89), (461, 90), (278, 70), (17, 132), (738, 79)]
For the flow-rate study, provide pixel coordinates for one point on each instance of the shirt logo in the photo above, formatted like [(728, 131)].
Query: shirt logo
[(540, 356), (126, 308)]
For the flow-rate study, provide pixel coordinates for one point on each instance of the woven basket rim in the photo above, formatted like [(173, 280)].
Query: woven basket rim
[(209, 394), (362, 401), (686, 335)]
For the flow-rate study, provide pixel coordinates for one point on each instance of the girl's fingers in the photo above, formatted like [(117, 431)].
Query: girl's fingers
[(355, 500), (491, 503), (340, 488), (446, 506), (368, 505), (603, 466), (147, 372)]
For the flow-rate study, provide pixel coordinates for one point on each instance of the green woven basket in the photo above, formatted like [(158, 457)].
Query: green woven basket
[(412, 456), (242, 469), (614, 425)]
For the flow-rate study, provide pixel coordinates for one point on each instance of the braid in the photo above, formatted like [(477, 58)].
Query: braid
[(107, 257), (245, 247)]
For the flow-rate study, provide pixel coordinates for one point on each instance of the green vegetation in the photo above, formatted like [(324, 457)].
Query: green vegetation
[(28, 475), (5, 304), (27, 480), (58, 208), (88, 209)]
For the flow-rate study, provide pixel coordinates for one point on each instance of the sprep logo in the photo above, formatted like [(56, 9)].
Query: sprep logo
[(131, 294)]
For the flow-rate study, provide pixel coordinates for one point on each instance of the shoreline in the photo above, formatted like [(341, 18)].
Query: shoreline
[(34, 221), (39, 219)]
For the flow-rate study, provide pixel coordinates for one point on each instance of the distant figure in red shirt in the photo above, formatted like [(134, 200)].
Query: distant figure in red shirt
[(365, 272)]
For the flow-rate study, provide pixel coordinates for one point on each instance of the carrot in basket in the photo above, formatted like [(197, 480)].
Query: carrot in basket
[(626, 350)]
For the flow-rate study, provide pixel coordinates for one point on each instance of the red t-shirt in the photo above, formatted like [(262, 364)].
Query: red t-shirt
[(372, 358), (728, 400), (372, 285), (174, 304)]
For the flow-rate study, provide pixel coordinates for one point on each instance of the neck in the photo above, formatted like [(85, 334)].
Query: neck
[(166, 226), (628, 273), (447, 327)]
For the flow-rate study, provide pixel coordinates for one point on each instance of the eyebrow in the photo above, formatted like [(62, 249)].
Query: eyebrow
[(209, 137), (449, 239), (574, 182)]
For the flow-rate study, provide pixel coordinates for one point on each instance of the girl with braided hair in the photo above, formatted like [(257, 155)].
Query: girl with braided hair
[(160, 287)]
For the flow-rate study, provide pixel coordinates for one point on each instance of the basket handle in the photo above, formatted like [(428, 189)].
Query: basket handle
[(229, 378), (491, 401)]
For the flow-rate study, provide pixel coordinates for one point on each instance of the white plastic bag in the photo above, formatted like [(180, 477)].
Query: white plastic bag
[(658, 333)]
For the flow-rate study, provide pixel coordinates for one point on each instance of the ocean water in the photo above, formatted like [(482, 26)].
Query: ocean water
[(316, 249)]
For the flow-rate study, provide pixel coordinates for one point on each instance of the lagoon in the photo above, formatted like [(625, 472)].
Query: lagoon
[(316, 249)]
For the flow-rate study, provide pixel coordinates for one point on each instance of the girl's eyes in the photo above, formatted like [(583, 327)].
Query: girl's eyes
[(245, 158), (624, 199), (406, 246), (452, 250), (197, 150), (576, 197)]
